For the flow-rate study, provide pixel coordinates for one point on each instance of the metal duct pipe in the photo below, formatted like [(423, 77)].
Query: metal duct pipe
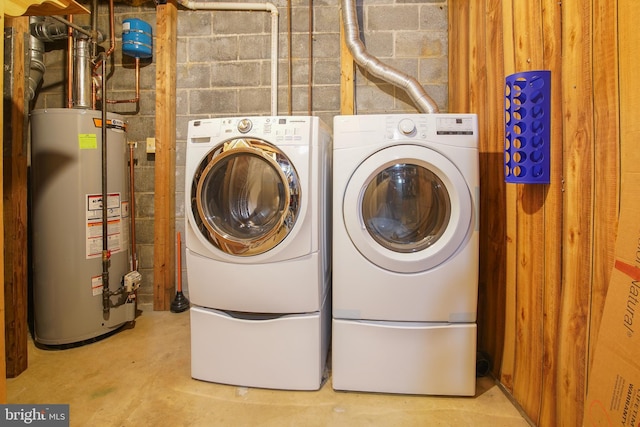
[(79, 64), (251, 7), (41, 31), (47, 31), (82, 73), (36, 66), (378, 69)]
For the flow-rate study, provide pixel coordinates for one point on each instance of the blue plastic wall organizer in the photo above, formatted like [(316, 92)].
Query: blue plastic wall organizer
[(527, 127)]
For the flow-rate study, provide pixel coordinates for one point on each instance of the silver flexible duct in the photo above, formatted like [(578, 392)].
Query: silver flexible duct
[(378, 69), (41, 31), (36, 66)]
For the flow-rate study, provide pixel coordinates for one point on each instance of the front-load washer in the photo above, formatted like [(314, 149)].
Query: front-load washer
[(257, 207), (405, 253)]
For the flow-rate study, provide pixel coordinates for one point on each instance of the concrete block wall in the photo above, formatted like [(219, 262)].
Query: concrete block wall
[(223, 70)]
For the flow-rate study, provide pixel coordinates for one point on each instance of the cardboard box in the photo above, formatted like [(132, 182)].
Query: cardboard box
[(613, 397)]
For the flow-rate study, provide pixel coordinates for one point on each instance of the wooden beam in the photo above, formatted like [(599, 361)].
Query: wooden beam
[(165, 182), (15, 205), (459, 56), (3, 381), (347, 75), (489, 105)]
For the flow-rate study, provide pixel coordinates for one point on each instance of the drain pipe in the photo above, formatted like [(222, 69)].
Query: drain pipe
[(265, 7), (374, 66)]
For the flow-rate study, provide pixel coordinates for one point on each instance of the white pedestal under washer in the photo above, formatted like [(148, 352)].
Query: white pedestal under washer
[(257, 213), (405, 253)]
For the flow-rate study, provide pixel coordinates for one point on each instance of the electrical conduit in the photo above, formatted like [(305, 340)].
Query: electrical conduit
[(251, 7)]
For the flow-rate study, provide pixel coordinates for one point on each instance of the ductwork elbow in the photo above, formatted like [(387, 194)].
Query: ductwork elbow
[(375, 67)]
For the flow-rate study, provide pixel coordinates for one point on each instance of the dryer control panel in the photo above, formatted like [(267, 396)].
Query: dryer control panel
[(454, 125), (454, 129)]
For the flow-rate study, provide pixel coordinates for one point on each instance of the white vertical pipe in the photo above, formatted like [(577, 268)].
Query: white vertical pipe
[(264, 7)]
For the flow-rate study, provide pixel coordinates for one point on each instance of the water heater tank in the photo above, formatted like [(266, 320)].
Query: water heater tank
[(66, 204)]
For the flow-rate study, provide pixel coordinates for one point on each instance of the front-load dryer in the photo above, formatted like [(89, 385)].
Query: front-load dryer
[(257, 207), (405, 253)]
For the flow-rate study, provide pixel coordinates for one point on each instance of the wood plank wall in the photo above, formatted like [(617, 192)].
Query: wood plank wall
[(546, 249)]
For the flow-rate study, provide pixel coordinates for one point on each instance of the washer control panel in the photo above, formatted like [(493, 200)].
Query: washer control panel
[(278, 129), (244, 125)]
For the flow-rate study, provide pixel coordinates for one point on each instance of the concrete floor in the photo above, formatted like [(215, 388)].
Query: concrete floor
[(140, 376)]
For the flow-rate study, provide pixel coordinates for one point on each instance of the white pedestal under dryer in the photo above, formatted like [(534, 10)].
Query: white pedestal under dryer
[(405, 253), (257, 250)]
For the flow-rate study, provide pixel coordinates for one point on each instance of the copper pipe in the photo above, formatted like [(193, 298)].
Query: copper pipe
[(137, 98), (94, 96), (70, 65), (134, 257), (112, 30), (112, 46), (310, 99), (289, 63)]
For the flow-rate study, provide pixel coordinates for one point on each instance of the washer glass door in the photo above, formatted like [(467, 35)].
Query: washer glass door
[(245, 196), (407, 208)]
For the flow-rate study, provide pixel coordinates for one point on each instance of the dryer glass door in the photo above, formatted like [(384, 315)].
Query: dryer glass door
[(245, 196), (407, 208)]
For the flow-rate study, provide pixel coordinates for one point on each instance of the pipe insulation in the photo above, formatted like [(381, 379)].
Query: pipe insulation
[(377, 68), (250, 7)]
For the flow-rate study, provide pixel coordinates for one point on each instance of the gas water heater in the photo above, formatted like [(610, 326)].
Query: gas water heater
[(67, 226)]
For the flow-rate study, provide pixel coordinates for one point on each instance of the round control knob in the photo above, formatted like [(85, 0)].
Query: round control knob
[(406, 126), (244, 125)]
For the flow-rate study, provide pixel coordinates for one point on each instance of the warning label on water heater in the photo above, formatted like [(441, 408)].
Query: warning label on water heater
[(115, 234)]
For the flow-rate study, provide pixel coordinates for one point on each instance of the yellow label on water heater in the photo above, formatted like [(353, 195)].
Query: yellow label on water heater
[(87, 141)]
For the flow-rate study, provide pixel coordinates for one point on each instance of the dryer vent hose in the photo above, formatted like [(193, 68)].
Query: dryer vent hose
[(378, 69)]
